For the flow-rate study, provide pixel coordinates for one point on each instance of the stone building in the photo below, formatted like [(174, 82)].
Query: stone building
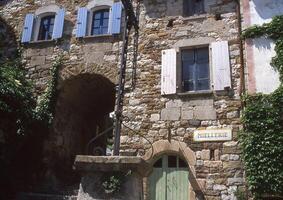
[(183, 116)]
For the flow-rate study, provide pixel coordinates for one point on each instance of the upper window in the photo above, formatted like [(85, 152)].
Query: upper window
[(193, 7), (47, 23), (100, 22), (195, 69), (2, 2), (46, 28), (98, 19)]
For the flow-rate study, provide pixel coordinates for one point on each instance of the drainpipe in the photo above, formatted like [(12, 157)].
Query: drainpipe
[(242, 70)]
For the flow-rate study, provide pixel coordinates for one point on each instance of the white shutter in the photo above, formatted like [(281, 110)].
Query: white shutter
[(168, 71), (221, 65)]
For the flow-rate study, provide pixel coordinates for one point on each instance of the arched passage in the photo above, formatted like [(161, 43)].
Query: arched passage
[(82, 112)]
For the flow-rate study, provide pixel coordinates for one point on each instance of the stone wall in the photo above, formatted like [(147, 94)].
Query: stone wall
[(155, 117), (151, 117)]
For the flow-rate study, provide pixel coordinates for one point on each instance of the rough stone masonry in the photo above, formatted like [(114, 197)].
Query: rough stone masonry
[(151, 116)]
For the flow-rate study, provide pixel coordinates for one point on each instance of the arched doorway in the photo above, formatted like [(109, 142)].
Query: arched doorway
[(169, 179), (82, 112)]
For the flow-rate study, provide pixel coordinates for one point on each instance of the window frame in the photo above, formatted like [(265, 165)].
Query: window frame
[(40, 22), (101, 21), (190, 10), (90, 20), (2, 2), (39, 14), (180, 87)]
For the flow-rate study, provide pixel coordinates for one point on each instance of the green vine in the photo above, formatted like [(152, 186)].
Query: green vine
[(273, 30), (46, 106), (16, 99), (113, 181), (262, 138)]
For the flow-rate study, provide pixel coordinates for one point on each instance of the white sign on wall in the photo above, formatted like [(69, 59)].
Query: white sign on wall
[(212, 135)]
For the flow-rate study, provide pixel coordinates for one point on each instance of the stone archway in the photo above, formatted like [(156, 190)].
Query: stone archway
[(82, 112), (165, 147)]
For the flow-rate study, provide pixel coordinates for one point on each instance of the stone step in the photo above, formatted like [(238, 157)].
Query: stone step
[(40, 196)]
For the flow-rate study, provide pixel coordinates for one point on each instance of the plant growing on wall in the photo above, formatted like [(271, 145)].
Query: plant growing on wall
[(23, 124), (262, 138), (113, 181), (46, 105)]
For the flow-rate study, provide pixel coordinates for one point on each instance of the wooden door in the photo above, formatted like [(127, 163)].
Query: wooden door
[(169, 179)]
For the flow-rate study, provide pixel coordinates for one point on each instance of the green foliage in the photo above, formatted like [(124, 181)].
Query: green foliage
[(262, 142), (16, 99), (46, 106), (112, 181), (262, 138), (23, 125), (273, 30), (240, 194)]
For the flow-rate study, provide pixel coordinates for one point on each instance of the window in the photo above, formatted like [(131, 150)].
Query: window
[(46, 28), (47, 23), (100, 22), (193, 7), (188, 69), (2, 2), (195, 69)]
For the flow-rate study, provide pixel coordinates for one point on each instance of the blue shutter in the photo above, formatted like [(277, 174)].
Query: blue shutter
[(82, 22), (27, 30), (58, 24), (116, 18)]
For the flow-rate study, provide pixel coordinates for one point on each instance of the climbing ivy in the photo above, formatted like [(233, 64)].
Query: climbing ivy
[(46, 105), (16, 99), (262, 137)]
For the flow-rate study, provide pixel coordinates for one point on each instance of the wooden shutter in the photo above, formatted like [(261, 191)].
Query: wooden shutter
[(116, 16), (221, 65), (58, 24), (168, 71), (28, 27), (81, 22)]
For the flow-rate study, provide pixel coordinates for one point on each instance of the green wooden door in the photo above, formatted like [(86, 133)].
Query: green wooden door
[(169, 179)]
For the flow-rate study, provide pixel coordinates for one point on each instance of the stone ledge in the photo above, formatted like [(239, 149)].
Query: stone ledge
[(109, 163)]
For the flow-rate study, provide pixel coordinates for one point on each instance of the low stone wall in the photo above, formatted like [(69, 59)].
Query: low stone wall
[(110, 177)]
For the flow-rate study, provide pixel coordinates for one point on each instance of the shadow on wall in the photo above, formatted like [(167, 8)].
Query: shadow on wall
[(262, 43), (268, 8), (82, 112), (8, 43)]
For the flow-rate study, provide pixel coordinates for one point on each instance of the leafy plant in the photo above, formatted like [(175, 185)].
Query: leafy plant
[(112, 182), (23, 124), (262, 138), (16, 99), (240, 194), (46, 105)]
